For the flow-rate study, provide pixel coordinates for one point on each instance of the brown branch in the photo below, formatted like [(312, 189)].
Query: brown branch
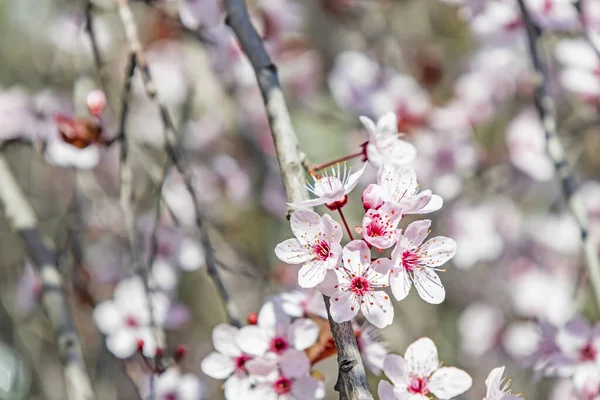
[(54, 300), (352, 381)]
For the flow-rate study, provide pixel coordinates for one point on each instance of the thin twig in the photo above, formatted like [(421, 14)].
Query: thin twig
[(176, 156), (584, 28), (352, 380), (546, 110), (23, 220)]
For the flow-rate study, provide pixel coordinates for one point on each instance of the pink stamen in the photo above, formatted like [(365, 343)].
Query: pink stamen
[(418, 385), (359, 285), (240, 362), (410, 260), (131, 321), (322, 250), (282, 385), (278, 345), (588, 353)]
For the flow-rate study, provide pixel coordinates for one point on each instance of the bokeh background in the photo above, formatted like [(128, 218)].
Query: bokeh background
[(456, 73)]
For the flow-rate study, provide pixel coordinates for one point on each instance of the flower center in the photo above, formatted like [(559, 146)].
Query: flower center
[(131, 321), (377, 227), (240, 362), (410, 260), (418, 385), (282, 385), (171, 396), (278, 345), (322, 250), (588, 353), (359, 285)]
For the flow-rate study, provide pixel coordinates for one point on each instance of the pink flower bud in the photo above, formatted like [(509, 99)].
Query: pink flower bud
[(370, 198), (96, 101)]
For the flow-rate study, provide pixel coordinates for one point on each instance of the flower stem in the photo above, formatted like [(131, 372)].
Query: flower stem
[(345, 224), (337, 160)]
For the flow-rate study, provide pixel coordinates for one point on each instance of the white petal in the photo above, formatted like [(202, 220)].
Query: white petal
[(416, 232), (387, 125), (344, 308), (378, 309), (225, 340), (238, 387), (395, 368), (434, 204), (308, 388), (437, 251), (123, 344), (217, 365), (312, 273), (429, 286), (353, 179), (369, 124), (253, 340), (400, 283), (333, 230), (107, 317), (291, 251), (493, 383), (262, 366), (385, 390), (294, 363), (449, 382), (304, 333), (305, 224), (422, 357), (356, 256), (328, 286), (190, 387), (414, 204), (307, 203), (272, 317)]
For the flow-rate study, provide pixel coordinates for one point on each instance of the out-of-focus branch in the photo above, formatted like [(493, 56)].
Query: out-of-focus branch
[(23, 220), (176, 156), (544, 105), (352, 379), (578, 4)]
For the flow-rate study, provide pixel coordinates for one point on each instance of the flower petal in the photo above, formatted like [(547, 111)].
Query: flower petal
[(225, 340), (435, 203), (449, 382), (416, 232), (123, 344), (414, 204), (294, 363), (400, 283), (387, 125), (311, 274), (328, 286), (333, 230), (385, 390), (379, 272), (217, 366), (353, 179), (377, 309), (422, 357), (356, 256), (396, 369), (369, 124), (437, 251), (272, 317), (308, 388), (299, 205), (429, 286), (291, 251), (306, 225), (303, 332), (107, 317), (262, 366), (344, 308), (252, 339)]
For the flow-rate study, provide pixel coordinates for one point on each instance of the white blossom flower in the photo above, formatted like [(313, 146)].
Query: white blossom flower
[(332, 190), (379, 226), (416, 262), (173, 385), (384, 145), (58, 152), (126, 319), (497, 387), (316, 246), (420, 373), (358, 284), (301, 303), (275, 332), (579, 343), (372, 350)]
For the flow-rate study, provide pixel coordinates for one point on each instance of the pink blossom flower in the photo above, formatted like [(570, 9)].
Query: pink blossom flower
[(416, 262), (275, 332), (125, 320), (384, 145), (498, 387), (371, 348), (332, 190), (174, 385), (479, 326), (229, 362), (301, 303), (379, 226), (399, 185), (420, 373), (579, 342), (359, 284), (581, 66), (316, 246)]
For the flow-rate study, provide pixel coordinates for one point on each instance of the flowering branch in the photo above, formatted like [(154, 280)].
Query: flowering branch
[(23, 220), (544, 105), (352, 380), (176, 156)]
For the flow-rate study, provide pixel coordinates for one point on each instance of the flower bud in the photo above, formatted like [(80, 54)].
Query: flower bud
[(370, 198), (96, 101), (252, 318)]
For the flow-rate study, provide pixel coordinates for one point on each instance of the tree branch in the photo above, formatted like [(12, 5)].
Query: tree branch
[(352, 381), (544, 105), (23, 220)]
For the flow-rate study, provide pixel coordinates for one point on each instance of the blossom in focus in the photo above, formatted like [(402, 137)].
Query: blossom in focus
[(358, 284), (399, 185), (379, 226), (229, 362), (316, 246), (420, 373), (126, 319), (174, 385), (332, 190), (415, 262), (275, 332), (384, 145), (498, 387)]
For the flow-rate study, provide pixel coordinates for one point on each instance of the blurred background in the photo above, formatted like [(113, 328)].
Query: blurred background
[(456, 73)]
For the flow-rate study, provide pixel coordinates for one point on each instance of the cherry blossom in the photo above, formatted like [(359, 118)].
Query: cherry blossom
[(275, 332), (358, 284), (497, 387), (384, 145), (229, 362), (372, 350), (399, 185), (479, 326), (420, 373), (580, 66), (316, 246), (174, 385), (301, 303), (126, 319), (416, 262), (379, 226), (332, 190), (580, 344)]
